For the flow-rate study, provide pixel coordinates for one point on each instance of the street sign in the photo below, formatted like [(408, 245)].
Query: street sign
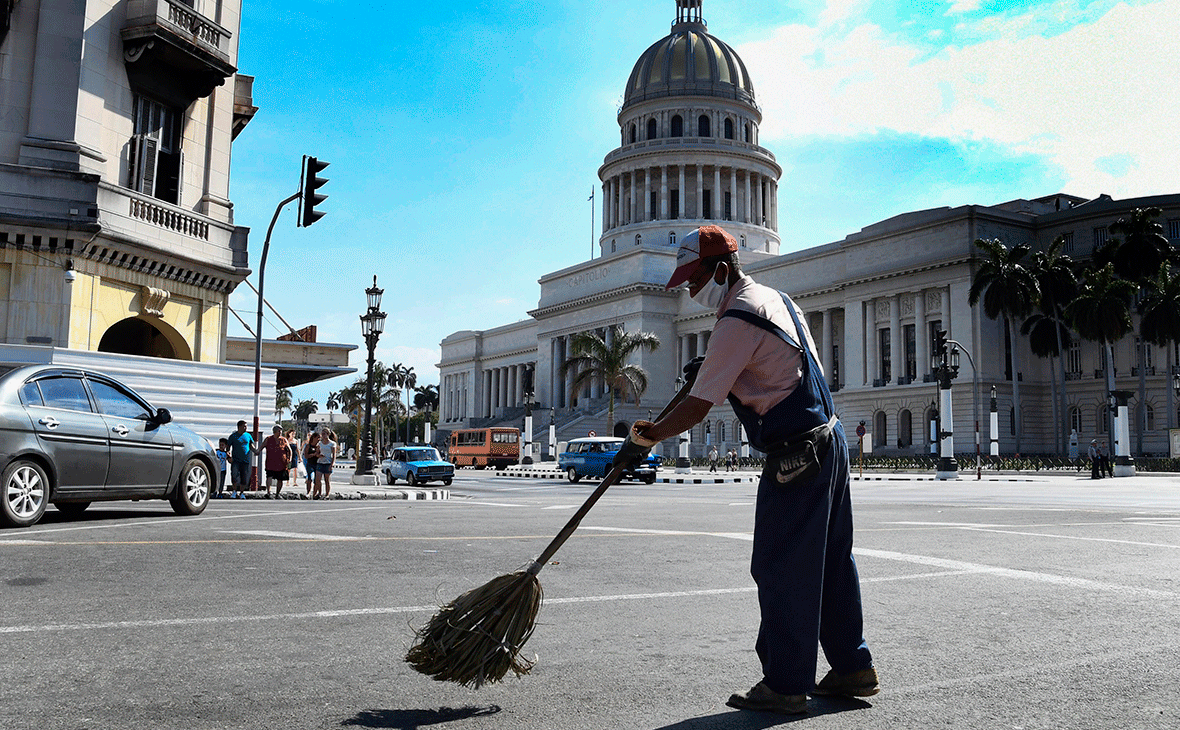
[(860, 431), (591, 433)]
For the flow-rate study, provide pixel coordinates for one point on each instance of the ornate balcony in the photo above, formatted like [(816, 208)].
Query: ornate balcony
[(169, 34)]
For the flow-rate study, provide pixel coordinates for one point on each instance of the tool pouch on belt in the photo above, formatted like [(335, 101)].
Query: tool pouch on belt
[(798, 460)]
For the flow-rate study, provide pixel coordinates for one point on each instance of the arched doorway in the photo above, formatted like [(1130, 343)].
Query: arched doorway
[(137, 336), (622, 429)]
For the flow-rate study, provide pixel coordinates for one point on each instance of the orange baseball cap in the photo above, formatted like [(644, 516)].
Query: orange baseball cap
[(702, 243)]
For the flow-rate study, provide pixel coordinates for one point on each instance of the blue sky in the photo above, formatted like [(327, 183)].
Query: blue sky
[(465, 137)]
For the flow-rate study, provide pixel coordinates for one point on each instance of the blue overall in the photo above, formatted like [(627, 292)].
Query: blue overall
[(808, 588)]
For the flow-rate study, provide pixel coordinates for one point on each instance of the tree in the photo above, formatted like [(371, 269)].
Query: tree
[(333, 401), (402, 377), (304, 409), (426, 398), (1102, 312), (282, 402), (592, 358), (1009, 290), (1057, 282)]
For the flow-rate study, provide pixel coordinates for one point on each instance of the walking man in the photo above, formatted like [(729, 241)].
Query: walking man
[(762, 358), (241, 444)]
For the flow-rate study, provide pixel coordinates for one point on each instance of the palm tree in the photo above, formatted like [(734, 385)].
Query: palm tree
[(426, 398), (333, 401), (1056, 277), (1009, 290), (1102, 312), (1159, 321), (282, 402), (402, 377), (1049, 337), (592, 358), (304, 409)]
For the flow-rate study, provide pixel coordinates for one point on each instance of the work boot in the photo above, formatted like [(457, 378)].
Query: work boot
[(763, 699), (864, 683)]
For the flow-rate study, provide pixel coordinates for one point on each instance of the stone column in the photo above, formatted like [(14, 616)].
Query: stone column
[(646, 193), (895, 348), (715, 208), (684, 352), (700, 191), (746, 202), (733, 196), (920, 354), (683, 195), (664, 192), (605, 197), (873, 365), (825, 353)]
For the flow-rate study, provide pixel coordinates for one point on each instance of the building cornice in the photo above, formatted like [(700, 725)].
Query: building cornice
[(640, 288)]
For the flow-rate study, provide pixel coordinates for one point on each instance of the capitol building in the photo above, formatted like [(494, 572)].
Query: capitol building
[(689, 154)]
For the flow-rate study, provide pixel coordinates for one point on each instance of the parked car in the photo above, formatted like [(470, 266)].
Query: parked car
[(70, 437), (417, 465), (592, 457)]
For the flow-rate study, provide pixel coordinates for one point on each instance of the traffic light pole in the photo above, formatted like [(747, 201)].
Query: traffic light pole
[(258, 334)]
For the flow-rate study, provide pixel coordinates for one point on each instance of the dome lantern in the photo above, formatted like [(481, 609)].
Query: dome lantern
[(689, 11)]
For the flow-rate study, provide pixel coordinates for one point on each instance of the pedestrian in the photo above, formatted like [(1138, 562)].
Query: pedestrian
[(1107, 466), (277, 458), (242, 445), (713, 459), (223, 466), (323, 467), (311, 454), (292, 456), (1095, 460), (763, 359), (730, 460)]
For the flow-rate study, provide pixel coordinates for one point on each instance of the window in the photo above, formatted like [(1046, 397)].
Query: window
[(677, 126), (66, 393), (703, 126), (728, 205), (634, 133), (879, 428), (905, 429), (654, 205), (747, 133), (706, 204), (1147, 348), (1012, 421), (743, 241), (30, 395), (638, 239), (1150, 413), (720, 431), (671, 238), (1100, 237), (155, 157), (729, 129), (931, 327), (115, 402), (1174, 229), (1067, 242), (1073, 359), (651, 129), (834, 378), (674, 204), (1103, 419), (612, 245), (911, 352), (885, 354), (1075, 419)]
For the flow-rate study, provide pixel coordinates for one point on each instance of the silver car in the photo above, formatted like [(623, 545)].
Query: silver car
[(70, 437)]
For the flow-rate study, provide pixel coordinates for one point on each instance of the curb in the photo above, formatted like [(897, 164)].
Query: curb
[(409, 494)]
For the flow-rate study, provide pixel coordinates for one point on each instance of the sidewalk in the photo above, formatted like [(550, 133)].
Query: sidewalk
[(343, 488)]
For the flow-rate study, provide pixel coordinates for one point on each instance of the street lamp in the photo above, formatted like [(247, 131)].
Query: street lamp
[(995, 425), (528, 415), (945, 365), (553, 433), (372, 325)]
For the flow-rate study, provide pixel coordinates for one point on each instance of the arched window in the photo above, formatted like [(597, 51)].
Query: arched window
[(729, 128), (638, 239), (651, 129), (721, 432), (905, 429), (612, 245), (879, 429), (677, 126), (1103, 420), (634, 133), (747, 132), (1150, 417), (743, 241), (703, 126), (1075, 420), (737, 431), (671, 238)]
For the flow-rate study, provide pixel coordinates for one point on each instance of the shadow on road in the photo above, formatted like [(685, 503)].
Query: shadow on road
[(744, 720), (413, 719)]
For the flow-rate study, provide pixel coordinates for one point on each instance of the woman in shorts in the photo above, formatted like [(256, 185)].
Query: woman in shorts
[(323, 467), (311, 454)]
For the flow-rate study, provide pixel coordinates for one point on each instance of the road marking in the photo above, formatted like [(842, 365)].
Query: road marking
[(1076, 537), (147, 522), (944, 524), (562, 506), (291, 535), (23, 542)]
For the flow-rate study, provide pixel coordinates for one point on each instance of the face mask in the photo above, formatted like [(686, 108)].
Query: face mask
[(711, 294)]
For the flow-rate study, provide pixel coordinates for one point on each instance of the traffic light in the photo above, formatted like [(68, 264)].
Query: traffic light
[(310, 199), (940, 343)]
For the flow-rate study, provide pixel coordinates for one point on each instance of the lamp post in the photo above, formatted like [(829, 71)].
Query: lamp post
[(946, 367), (1124, 463), (995, 425), (372, 325), (683, 464), (974, 397), (527, 458)]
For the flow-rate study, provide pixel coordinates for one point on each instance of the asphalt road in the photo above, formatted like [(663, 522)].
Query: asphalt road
[(1038, 603)]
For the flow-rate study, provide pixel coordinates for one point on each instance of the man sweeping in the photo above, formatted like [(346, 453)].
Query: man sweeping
[(762, 358)]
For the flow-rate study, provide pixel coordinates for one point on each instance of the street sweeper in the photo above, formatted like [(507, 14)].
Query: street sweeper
[(762, 358)]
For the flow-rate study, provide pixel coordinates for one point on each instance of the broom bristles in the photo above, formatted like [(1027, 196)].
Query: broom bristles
[(476, 638)]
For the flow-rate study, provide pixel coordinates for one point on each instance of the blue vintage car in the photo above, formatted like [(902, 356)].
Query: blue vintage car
[(417, 465), (592, 457)]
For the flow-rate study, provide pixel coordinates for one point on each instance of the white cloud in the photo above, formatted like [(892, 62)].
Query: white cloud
[(1098, 91), (961, 7)]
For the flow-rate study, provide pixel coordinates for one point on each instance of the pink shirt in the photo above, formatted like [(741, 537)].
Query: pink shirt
[(757, 367)]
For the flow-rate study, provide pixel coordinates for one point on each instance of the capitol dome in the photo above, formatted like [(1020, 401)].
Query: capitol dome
[(688, 62)]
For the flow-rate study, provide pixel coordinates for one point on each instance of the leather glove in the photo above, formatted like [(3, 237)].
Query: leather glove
[(636, 448), (692, 368)]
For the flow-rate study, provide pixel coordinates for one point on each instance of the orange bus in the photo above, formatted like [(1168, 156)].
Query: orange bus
[(480, 447)]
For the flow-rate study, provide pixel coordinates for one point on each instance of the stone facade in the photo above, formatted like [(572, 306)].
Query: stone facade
[(116, 125)]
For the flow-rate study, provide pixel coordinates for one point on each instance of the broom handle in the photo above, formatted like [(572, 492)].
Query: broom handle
[(610, 480)]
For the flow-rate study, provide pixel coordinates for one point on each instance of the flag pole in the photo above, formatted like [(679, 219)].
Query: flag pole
[(591, 199)]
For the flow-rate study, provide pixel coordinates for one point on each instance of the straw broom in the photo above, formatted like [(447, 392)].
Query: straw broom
[(477, 638)]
